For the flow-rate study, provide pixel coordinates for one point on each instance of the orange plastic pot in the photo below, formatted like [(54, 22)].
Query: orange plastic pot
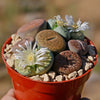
[(27, 89)]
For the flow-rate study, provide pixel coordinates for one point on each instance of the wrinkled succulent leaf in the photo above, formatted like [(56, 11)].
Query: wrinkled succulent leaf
[(63, 32)]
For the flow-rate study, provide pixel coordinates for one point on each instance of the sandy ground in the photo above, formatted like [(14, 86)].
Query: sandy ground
[(91, 89)]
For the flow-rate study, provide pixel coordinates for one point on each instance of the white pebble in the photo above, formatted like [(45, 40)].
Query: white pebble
[(7, 55), (59, 78), (90, 58), (80, 72), (10, 62), (15, 41), (36, 77), (52, 74), (87, 66), (8, 47), (72, 75), (14, 37), (94, 58), (66, 77), (45, 77)]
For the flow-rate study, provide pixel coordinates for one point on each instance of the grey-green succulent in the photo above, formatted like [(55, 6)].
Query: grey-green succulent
[(63, 32), (77, 35)]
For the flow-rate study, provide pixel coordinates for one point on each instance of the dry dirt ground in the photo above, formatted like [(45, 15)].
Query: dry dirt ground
[(91, 89)]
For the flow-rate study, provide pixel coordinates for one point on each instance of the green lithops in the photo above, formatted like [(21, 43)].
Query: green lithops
[(57, 24), (77, 35), (63, 32), (51, 23), (31, 61), (68, 28), (76, 29)]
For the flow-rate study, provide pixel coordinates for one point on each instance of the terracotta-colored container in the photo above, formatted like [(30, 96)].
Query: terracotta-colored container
[(27, 89)]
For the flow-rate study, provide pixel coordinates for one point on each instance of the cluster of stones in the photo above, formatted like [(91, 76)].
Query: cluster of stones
[(72, 58)]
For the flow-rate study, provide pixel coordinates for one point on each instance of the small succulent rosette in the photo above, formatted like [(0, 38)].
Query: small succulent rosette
[(31, 61)]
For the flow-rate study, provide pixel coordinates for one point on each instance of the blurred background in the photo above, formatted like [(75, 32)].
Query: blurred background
[(14, 13)]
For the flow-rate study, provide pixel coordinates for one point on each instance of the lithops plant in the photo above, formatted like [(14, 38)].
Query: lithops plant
[(63, 32), (58, 24), (55, 22), (51, 23), (31, 61), (77, 35), (76, 29), (78, 46), (67, 62), (30, 29), (51, 40), (68, 28)]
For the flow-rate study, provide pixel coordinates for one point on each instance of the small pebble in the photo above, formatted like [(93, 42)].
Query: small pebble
[(10, 62), (94, 58), (7, 55), (52, 74), (72, 75), (14, 36), (80, 72), (15, 41), (87, 66), (37, 78), (8, 47), (45, 77), (66, 77), (59, 78), (90, 58)]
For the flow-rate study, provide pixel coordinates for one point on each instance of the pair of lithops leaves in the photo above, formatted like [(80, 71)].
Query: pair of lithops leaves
[(38, 61), (65, 31)]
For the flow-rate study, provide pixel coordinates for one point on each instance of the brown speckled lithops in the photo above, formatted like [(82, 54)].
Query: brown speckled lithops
[(51, 39), (67, 62)]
